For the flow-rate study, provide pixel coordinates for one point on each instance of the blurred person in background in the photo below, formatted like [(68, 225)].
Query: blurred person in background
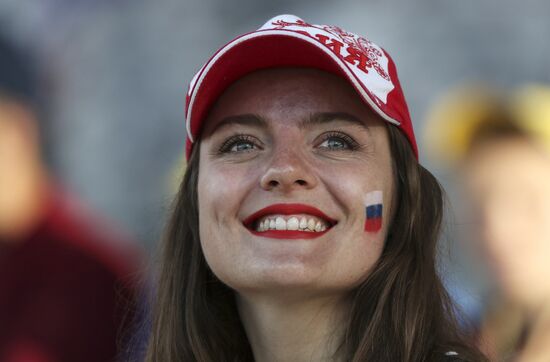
[(499, 145), (66, 288)]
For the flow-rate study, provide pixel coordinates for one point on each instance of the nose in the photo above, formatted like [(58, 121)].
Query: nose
[(288, 170)]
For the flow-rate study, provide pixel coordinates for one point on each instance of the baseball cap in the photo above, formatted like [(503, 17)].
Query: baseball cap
[(289, 41)]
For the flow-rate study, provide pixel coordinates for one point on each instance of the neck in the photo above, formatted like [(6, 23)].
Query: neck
[(283, 330)]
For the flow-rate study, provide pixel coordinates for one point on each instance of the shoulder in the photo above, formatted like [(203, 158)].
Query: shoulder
[(90, 237)]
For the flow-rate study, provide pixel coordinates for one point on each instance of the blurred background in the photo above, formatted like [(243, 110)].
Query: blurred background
[(115, 73)]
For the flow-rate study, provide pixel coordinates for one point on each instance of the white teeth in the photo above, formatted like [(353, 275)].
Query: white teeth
[(280, 224), (302, 223), (292, 223), (318, 226), (311, 224)]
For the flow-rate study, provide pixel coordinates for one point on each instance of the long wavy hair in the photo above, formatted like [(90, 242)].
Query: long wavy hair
[(401, 312)]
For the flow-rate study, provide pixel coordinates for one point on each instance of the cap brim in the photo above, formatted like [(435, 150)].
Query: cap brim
[(260, 50)]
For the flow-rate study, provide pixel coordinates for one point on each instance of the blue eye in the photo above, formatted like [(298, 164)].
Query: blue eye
[(334, 143), (338, 141), (239, 143), (241, 146)]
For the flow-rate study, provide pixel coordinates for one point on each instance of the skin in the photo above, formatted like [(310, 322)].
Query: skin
[(507, 180), (23, 178), (291, 293)]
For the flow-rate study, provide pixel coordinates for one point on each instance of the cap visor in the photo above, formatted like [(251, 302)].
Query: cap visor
[(261, 50)]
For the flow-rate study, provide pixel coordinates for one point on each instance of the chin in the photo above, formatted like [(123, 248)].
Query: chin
[(289, 281)]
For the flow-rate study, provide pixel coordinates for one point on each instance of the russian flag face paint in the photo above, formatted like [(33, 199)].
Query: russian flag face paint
[(373, 211)]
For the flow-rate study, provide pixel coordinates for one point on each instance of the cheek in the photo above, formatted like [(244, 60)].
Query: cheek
[(216, 203), (221, 191), (374, 207), (358, 255), (367, 199), (367, 196)]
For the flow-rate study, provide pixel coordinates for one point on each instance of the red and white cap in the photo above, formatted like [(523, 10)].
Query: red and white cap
[(288, 41)]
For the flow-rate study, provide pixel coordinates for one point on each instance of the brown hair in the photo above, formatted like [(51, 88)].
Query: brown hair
[(401, 312), (498, 122)]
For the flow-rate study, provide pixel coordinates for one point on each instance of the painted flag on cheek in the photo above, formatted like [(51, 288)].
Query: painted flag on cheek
[(373, 211)]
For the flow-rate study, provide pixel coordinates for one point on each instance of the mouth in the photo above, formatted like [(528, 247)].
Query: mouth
[(289, 221)]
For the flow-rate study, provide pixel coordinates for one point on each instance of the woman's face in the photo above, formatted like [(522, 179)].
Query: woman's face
[(507, 182), (289, 160)]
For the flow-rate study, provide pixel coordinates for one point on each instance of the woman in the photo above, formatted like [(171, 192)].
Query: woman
[(304, 229)]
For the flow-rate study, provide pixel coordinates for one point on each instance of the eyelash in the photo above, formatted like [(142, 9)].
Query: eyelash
[(244, 138), (349, 141), (234, 140)]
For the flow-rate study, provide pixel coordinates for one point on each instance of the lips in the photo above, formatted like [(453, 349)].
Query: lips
[(289, 221)]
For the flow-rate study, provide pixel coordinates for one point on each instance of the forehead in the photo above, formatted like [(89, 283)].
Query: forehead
[(287, 95)]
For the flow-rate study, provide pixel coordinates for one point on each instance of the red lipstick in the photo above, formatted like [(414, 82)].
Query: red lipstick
[(288, 209)]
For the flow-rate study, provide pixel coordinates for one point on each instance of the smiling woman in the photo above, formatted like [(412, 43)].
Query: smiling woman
[(305, 228), (300, 148)]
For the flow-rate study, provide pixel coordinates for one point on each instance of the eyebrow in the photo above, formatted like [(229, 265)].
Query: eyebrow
[(253, 120), (327, 117)]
